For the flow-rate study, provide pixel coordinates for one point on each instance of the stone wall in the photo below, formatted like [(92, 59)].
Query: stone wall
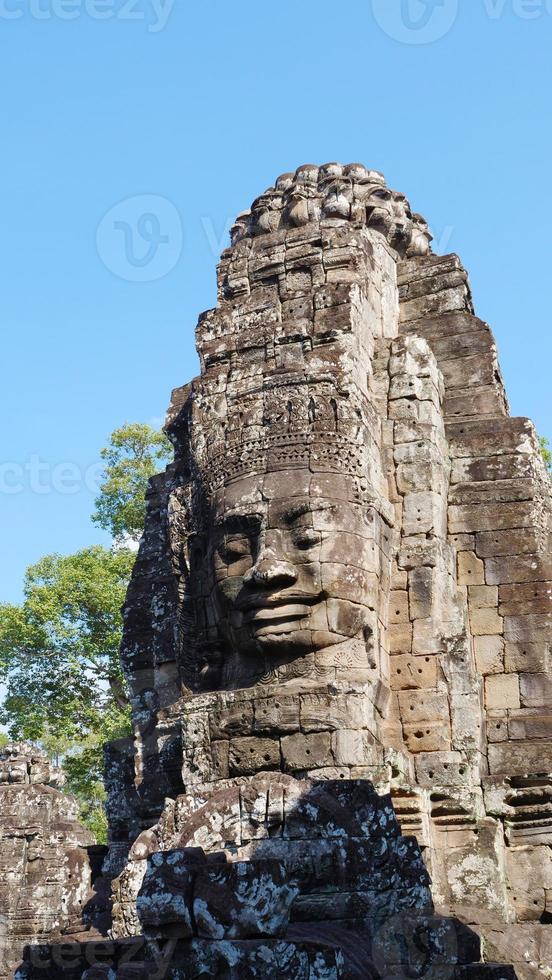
[(45, 859)]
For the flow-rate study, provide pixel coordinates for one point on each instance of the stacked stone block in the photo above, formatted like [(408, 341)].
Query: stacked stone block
[(282, 878), (45, 866)]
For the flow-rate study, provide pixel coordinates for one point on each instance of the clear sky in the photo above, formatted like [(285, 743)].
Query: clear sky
[(202, 106)]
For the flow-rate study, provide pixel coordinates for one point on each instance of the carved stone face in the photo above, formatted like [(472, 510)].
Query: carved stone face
[(291, 574)]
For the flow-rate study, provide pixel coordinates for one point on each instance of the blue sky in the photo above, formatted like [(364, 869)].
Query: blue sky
[(109, 101)]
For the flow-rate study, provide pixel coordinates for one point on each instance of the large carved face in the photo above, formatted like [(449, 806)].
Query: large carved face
[(293, 569)]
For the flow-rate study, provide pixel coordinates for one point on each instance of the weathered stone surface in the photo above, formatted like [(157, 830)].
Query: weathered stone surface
[(344, 576), (46, 855), (243, 900)]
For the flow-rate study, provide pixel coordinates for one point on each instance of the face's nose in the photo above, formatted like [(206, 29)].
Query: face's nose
[(269, 572)]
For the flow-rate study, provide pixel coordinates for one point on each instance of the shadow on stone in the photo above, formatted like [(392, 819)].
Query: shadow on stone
[(280, 878)]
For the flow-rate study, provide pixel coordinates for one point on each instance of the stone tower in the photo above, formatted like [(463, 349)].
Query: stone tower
[(344, 582)]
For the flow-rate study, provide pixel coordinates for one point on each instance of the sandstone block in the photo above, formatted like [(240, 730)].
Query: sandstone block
[(232, 719), (531, 658), (486, 622), (165, 899), (471, 570), (400, 638), (250, 755), (525, 600), (321, 712), (351, 748), (442, 769), (530, 872), (427, 637), (422, 589), (419, 706), (531, 723), (220, 752), (398, 607), (483, 596), (497, 725), (427, 736), (276, 714), (523, 568), (502, 691), (488, 517), (242, 900), (496, 543), (424, 513), (466, 714), (520, 758), (536, 690), (490, 437), (489, 654), (414, 672), (530, 628), (303, 752)]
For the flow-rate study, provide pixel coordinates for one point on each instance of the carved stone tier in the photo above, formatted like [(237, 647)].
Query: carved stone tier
[(282, 878)]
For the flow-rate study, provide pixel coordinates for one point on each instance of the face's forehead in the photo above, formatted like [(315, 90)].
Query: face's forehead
[(242, 496), (292, 511), (291, 498)]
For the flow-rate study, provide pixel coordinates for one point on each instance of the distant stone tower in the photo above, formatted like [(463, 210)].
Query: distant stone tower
[(344, 581), (45, 875)]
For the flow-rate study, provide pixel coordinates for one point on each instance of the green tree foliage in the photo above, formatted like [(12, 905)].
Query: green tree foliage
[(546, 454), (136, 452), (64, 686), (59, 649), (62, 643)]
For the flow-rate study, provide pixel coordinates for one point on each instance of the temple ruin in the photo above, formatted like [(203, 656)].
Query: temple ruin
[(48, 860), (337, 634)]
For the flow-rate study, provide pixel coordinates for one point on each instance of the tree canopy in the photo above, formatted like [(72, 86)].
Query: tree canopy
[(546, 454), (136, 452), (59, 649)]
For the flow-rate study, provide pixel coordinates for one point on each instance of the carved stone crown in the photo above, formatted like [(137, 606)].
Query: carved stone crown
[(337, 193), (326, 452)]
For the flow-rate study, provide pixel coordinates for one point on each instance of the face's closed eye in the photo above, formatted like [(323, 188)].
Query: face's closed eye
[(233, 548), (305, 538)]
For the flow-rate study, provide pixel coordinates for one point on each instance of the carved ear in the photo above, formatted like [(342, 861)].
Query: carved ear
[(196, 556)]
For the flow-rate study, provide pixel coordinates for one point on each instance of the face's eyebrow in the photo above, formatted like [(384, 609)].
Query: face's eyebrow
[(295, 511), (235, 521)]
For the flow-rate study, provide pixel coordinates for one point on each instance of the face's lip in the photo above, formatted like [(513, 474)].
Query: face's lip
[(278, 614), (277, 603)]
